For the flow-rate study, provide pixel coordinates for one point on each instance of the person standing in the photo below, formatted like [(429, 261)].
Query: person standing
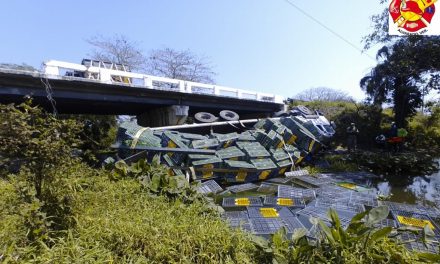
[(352, 133)]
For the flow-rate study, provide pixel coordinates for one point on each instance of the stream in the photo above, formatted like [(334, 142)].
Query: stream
[(422, 190)]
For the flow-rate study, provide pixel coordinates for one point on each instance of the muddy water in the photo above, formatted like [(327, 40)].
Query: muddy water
[(423, 190)]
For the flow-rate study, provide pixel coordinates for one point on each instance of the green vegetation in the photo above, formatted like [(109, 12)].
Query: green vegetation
[(57, 209), (360, 242)]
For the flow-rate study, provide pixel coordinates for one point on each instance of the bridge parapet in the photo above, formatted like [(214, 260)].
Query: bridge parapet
[(113, 75)]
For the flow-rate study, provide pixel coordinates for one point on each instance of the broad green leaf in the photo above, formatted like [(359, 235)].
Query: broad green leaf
[(359, 216), (327, 231), (334, 217), (434, 258), (381, 233), (298, 234), (376, 215)]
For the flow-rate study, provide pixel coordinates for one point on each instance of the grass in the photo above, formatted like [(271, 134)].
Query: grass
[(119, 222)]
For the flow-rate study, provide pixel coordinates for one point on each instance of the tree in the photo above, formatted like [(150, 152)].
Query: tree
[(118, 49), (20, 67), (323, 94), (165, 62), (408, 68), (183, 65)]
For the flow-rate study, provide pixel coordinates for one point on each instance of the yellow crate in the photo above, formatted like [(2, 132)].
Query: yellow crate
[(414, 222), (285, 202), (264, 174), (208, 174), (242, 202), (348, 185), (269, 212), (241, 176)]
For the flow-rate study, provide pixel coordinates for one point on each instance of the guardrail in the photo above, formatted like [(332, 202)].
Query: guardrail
[(54, 68)]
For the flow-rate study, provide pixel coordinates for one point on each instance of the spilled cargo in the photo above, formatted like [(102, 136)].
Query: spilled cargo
[(270, 148)]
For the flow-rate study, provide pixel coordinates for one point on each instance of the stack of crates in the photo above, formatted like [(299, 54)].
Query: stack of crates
[(194, 157), (304, 139), (239, 171), (191, 136), (253, 150), (211, 143), (230, 153), (270, 140), (170, 163), (173, 140), (246, 136), (287, 135), (226, 140), (204, 168), (266, 169), (282, 160), (132, 135)]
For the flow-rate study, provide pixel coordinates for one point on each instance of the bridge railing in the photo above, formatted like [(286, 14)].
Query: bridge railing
[(55, 69)]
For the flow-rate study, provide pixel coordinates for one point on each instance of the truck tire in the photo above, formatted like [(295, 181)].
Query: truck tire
[(304, 110), (229, 115), (205, 117)]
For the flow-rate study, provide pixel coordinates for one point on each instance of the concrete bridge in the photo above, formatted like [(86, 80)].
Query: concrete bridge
[(92, 88)]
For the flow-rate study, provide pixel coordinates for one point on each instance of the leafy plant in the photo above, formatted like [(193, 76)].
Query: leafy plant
[(155, 179)]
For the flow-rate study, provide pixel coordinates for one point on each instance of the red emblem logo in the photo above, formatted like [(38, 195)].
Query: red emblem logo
[(412, 15)]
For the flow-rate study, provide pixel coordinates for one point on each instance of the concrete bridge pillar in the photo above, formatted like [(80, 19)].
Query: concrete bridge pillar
[(165, 116)]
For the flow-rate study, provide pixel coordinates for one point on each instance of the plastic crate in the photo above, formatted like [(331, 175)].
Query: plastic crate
[(236, 214), (173, 140), (293, 192), (242, 187), (292, 223), (169, 162), (239, 171), (430, 211), (284, 202), (386, 223), (364, 198), (246, 136), (203, 168), (240, 223), (296, 173), (413, 242), (193, 136), (132, 135), (283, 166), (241, 202), (266, 187), (265, 167), (344, 205), (193, 157), (230, 153), (322, 213), (280, 180), (226, 140), (211, 143), (279, 154), (208, 187), (313, 180), (417, 220), (265, 226)]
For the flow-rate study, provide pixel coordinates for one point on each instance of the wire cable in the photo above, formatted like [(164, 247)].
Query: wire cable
[(302, 11)]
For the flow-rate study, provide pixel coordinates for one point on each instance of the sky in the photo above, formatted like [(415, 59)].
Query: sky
[(260, 45)]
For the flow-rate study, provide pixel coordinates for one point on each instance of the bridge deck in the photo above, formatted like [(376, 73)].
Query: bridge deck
[(83, 96)]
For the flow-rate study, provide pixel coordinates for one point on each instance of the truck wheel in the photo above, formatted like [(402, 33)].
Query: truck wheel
[(304, 110), (205, 117), (229, 115)]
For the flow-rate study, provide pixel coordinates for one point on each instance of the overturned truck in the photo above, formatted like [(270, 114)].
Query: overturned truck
[(257, 149)]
